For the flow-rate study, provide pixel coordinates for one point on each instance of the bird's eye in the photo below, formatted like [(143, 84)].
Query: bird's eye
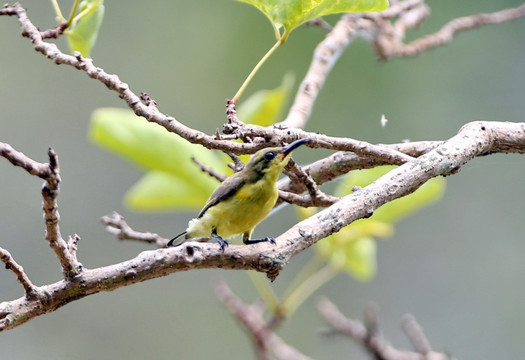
[(270, 155)]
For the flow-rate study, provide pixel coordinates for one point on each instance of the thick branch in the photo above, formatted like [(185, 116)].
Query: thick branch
[(474, 139)]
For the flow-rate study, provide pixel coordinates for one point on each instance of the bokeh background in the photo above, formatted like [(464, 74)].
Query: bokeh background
[(458, 266)]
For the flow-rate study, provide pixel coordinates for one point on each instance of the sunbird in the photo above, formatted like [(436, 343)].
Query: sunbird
[(242, 201)]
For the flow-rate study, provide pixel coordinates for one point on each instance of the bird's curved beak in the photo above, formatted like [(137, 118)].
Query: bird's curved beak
[(287, 150)]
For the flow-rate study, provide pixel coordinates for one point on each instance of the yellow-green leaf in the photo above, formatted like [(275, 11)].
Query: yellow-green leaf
[(428, 193), (154, 149), (161, 191), (356, 256), (265, 106), (83, 32), (353, 248), (289, 14)]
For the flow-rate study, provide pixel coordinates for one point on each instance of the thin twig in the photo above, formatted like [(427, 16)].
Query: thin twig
[(116, 225), (362, 148), (390, 44), (208, 170), (10, 264), (19, 159), (340, 163), (237, 165), (151, 113), (306, 200), (51, 174), (70, 265), (320, 23), (373, 342), (415, 334), (251, 317), (317, 197), (72, 246)]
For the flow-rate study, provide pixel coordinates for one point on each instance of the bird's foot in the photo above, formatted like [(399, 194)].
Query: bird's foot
[(222, 243), (256, 241)]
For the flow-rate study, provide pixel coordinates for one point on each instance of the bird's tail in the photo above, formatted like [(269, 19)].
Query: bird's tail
[(177, 240)]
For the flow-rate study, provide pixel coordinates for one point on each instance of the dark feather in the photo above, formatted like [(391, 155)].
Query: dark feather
[(226, 190)]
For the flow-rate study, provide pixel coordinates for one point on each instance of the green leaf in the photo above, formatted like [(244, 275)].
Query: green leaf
[(265, 106), (289, 14), (360, 178), (161, 191), (154, 149), (356, 256), (82, 34), (353, 249), (428, 193)]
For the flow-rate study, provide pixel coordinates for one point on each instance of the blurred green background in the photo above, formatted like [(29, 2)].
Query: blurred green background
[(458, 266)]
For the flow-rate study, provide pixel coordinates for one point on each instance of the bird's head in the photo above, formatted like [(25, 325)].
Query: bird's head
[(272, 160)]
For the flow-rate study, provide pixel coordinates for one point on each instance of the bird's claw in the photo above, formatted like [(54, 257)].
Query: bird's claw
[(222, 243)]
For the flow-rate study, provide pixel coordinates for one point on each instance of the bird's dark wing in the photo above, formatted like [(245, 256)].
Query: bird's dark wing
[(227, 189)]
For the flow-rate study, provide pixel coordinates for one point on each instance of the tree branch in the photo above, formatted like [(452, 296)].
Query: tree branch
[(150, 111), (444, 158), (116, 225), (325, 56), (340, 163), (50, 191), (386, 31), (10, 264), (50, 173), (474, 139), (299, 176), (372, 340), (390, 44), (251, 317), (278, 136)]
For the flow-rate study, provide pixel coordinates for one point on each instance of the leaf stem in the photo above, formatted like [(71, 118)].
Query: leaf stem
[(265, 290), (72, 13), (58, 12), (255, 69), (292, 302), (313, 266)]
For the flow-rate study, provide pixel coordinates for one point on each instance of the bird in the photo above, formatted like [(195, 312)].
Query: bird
[(242, 201)]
